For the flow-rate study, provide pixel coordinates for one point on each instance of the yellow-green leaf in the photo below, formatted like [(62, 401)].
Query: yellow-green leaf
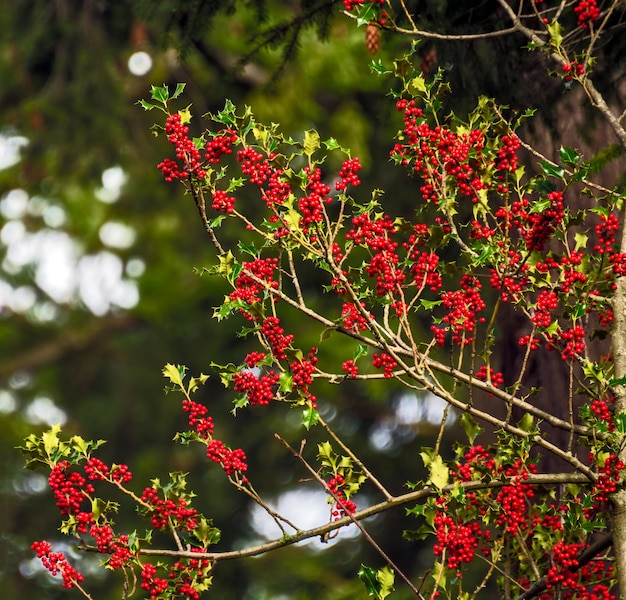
[(185, 115), (385, 577), (172, 373), (196, 381), (311, 141), (226, 263), (418, 84), (581, 241), (51, 439), (79, 444), (556, 39), (439, 472)]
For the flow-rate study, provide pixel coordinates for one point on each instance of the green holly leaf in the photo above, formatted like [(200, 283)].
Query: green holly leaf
[(311, 142), (418, 84), (206, 533), (367, 13), (147, 105), (51, 439), (429, 304), (439, 472), (160, 93), (326, 455), (79, 444), (472, 429), (553, 170), (195, 382), (556, 39), (385, 577), (174, 373), (226, 263), (310, 417), (368, 576), (527, 423), (581, 241), (569, 156)]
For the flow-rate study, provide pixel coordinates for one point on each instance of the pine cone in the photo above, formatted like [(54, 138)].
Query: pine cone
[(372, 38)]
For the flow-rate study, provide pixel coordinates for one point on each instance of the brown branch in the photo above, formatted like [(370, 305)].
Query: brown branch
[(340, 502), (594, 95), (323, 530), (589, 554)]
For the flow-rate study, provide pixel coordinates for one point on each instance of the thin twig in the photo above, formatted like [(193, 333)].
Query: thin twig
[(395, 501), (355, 458), (340, 502)]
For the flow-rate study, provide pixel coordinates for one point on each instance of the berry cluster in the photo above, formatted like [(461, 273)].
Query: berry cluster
[(258, 390), (341, 506), (275, 336), (571, 69), (165, 510), (385, 362), (587, 12), (478, 462), (458, 540), (607, 228), (495, 377), (183, 579), (108, 544), (602, 410), (248, 289), (510, 279), (254, 358), (222, 202), (70, 488), (151, 583), (254, 165), (311, 206), (348, 174), (375, 235), (220, 144), (444, 159), (56, 563), (547, 301), (605, 485), (353, 320), (302, 375), (463, 306), (425, 270), (574, 340), (186, 152), (351, 368), (199, 418), (514, 499), (232, 461), (541, 225), (574, 581)]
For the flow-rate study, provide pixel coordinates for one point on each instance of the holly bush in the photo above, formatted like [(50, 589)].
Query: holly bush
[(418, 299)]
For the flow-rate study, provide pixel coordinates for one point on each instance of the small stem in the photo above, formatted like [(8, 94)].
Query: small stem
[(340, 502), (353, 456)]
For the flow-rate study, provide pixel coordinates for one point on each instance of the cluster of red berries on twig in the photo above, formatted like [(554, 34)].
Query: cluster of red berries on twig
[(385, 362), (220, 144), (199, 418), (186, 152), (232, 461), (258, 390), (56, 563), (341, 506), (166, 510), (587, 12)]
